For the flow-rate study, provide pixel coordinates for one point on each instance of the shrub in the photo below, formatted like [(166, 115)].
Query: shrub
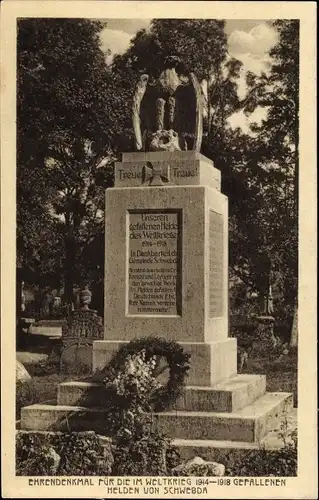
[(262, 462), (140, 453), (33, 457), (82, 454), (78, 453), (142, 450)]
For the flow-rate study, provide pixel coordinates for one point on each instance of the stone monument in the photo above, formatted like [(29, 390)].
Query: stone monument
[(166, 274), (80, 330)]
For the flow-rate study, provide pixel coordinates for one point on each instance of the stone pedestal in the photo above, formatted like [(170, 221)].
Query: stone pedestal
[(166, 238)]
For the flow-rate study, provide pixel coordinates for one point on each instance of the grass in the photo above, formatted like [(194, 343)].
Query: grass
[(42, 360), (41, 389), (281, 373)]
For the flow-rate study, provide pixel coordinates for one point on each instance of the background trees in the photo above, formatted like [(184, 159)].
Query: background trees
[(215, 68), (272, 169), (63, 104)]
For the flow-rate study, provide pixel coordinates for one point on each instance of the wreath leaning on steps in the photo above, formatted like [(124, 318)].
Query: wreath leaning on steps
[(177, 363)]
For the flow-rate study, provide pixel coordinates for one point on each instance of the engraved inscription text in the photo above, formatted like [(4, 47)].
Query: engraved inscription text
[(154, 259), (216, 268)]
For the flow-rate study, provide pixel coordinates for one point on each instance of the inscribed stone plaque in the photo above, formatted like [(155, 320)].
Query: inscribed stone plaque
[(216, 264), (154, 260), (145, 173)]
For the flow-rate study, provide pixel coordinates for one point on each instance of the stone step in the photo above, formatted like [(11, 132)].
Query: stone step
[(231, 395), (228, 396), (51, 322), (249, 424), (54, 331), (214, 450), (42, 417)]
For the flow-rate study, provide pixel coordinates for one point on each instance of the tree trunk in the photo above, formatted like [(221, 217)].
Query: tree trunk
[(296, 176), (69, 268), (294, 329), (208, 108), (19, 331)]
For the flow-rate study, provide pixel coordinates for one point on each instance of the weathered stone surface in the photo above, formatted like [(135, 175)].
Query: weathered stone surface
[(250, 424), (197, 466), (80, 393), (62, 418), (216, 265), (50, 331), (178, 170), (164, 140), (166, 156), (218, 450), (50, 322), (230, 395), (78, 334), (21, 372), (189, 234), (31, 358)]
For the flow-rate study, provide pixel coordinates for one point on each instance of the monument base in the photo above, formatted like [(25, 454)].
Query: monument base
[(209, 418), (210, 362), (220, 423)]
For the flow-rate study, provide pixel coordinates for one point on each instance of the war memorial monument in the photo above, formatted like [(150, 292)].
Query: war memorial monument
[(166, 275)]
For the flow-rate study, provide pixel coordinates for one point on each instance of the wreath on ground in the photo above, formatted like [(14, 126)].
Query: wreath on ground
[(178, 364)]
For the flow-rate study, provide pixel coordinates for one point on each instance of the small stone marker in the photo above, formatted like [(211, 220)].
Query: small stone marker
[(197, 466), (78, 333)]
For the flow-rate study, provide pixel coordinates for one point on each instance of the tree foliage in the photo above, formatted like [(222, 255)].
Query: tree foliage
[(63, 104), (266, 218)]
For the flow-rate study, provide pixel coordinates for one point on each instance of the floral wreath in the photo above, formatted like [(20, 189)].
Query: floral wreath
[(177, 363)]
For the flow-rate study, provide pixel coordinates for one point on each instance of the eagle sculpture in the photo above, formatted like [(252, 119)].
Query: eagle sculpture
[(167, 111)]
